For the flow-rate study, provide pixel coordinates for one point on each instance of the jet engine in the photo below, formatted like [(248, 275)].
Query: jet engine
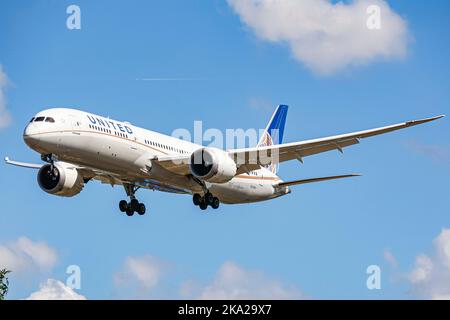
[(212, 165), (61, 180)]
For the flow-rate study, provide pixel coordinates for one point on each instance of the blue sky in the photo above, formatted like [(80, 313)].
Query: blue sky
[(316, 242)]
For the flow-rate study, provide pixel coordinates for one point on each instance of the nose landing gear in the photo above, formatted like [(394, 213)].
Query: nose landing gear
[(207, 200), (134, 205)]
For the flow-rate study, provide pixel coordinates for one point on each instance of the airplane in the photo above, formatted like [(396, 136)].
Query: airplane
[(77, 147)]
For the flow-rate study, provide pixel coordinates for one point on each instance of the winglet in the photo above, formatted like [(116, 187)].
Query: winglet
[(416, 122)]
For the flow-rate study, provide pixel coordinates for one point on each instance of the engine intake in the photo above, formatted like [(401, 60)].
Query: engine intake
[(63, 180), (212, 165)]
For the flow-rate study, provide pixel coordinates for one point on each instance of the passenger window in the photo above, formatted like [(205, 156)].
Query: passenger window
[(50, 119), (39, 119)]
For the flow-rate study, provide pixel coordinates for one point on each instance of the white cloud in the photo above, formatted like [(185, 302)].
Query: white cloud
[(326, 36), (441, 297), (422, 270), (145, 271), (235, 282), (146, 277), (55, 290), (5, 116), (430, 277), (24, 255), (390, 258)]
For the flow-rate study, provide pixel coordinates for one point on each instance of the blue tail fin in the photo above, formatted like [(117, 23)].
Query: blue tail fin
[(275, 128), (273, 134)]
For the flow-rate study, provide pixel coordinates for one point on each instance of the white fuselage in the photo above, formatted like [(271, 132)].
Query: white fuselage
[(125, 151)]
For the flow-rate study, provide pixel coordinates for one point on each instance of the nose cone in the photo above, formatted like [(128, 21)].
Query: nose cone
[(30, 135)]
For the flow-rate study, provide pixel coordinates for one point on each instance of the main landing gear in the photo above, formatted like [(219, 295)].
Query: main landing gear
[(207, 200), (49, 158), (134, 205)]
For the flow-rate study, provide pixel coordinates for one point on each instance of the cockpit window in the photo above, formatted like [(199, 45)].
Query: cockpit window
[(39, 119), (49, 119), (32, 119)]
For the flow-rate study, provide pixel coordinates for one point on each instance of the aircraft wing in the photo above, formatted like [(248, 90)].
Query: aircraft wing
[(87, 173), (254, 157), (23, 164), (107, 177), (249, 159)]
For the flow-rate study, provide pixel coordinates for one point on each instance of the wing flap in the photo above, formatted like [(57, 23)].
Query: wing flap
[(305, 151)]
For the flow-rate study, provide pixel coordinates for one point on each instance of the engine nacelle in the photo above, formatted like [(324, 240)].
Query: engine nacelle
[(212, 165), (63, 181)]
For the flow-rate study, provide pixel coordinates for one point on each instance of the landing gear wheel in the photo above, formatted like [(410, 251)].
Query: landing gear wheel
[(123, 205), (215, 203), (141, 209), (134, 204), (196, 199), (209, 198), (203, 205), (129, 211)]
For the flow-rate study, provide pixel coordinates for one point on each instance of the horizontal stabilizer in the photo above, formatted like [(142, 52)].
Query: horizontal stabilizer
[(304, 181)]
